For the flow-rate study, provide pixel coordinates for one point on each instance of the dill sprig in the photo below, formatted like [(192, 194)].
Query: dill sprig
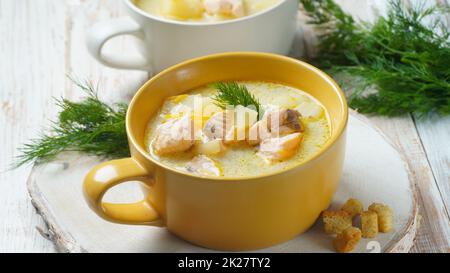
[(404, 56), (234, 94), (90, 126)]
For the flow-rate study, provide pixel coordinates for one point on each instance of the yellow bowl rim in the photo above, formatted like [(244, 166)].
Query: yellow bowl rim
[(339, 130)]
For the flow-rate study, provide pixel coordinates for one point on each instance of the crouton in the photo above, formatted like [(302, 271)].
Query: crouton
[(369, 224), (353, 206), (385, 217), (347, 240), (336, 221)]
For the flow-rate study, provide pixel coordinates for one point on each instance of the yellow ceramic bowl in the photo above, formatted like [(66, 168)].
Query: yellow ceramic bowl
[(223, 213)]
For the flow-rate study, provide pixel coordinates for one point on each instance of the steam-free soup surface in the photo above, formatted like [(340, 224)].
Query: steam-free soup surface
[(238, 158), (204, 10)]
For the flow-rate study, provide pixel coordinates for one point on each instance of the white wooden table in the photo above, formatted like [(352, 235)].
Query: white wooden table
[(41, 41)]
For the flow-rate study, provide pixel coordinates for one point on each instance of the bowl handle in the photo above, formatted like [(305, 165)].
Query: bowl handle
[(100, 33), (109, 174)]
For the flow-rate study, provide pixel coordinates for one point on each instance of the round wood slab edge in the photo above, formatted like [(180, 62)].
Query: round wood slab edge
[(64, 241)]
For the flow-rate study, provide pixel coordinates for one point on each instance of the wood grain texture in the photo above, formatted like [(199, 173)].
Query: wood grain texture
[(434, 132), (434, 230), (31, 72)]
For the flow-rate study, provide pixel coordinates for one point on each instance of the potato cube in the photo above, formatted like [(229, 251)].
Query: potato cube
[(369, 224), (244, 119), (385, 217), (182, 9), (347, 240), (212, 147), (353, 207), (310, 110), (336, 221)]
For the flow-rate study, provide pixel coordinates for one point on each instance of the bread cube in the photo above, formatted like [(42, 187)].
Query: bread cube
[(385, 216), (347, 240), (353, 207), (369, 224), (336, 221)]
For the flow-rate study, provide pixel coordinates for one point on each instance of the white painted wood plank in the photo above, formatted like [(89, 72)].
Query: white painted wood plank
[(31, 72), (434, 133), (114, 85), (435, 226), (43, 41)]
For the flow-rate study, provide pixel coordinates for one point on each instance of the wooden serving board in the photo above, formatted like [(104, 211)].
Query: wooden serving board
[(374, 172)]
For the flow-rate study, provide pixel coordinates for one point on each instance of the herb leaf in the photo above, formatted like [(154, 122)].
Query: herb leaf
[(233, 94), (405, 59), (89, 126)]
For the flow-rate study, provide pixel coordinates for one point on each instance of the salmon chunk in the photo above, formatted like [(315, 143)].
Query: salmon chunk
[(283, 121), (233, 8), (203, 165), (258, 132), (231, 125), (279, 148), (275, 123), (176, 135)]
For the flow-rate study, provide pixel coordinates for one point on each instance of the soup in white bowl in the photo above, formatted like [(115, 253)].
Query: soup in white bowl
[(204, 10)]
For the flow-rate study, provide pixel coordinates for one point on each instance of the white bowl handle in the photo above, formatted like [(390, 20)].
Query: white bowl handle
[(101, 32)]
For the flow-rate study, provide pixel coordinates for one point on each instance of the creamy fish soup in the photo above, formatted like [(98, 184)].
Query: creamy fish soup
[(198, 132), (204, 10)]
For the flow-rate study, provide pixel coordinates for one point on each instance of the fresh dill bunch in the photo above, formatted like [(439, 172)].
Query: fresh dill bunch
[(234, 94), (404, 56), (90, 126)]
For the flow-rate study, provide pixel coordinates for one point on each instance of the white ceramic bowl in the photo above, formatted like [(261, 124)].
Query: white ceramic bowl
[(168, 42)]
